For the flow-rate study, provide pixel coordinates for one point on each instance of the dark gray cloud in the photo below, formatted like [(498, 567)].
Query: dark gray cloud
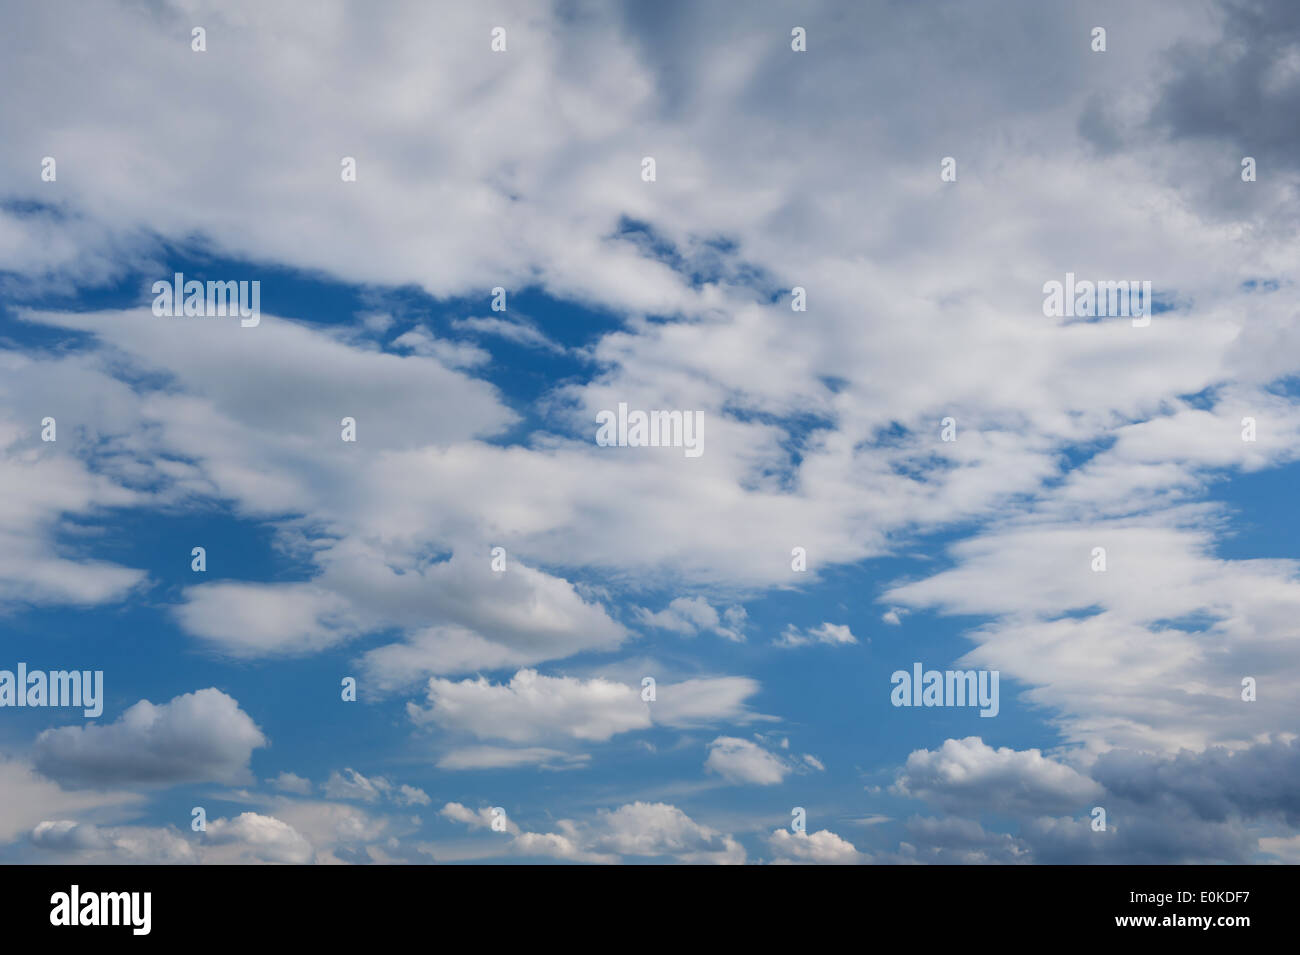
[(1244, 88), (1141, 838), (1224, 96), (1189, 808), (1215, 785)]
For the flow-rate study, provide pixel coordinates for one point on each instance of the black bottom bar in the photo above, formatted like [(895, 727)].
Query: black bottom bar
[(335, 904)]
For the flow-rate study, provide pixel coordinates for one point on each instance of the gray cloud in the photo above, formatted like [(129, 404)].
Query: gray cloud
[(196, 737), (1215, 785)]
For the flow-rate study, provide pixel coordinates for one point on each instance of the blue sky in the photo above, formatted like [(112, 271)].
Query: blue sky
[(838, 696), (520, 688)]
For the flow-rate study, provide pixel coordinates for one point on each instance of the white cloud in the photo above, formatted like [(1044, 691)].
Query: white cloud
[(292, 783), (692, 615), (740, 761), (829, 633), (260, 838), (819, 848), (408, 795), (249, 417), (533, 707), (86, 843), (476, 819), (1148, 654), (637, 830), (31, 798), (259, 619), (968, 774), (659, 829), (196, 737), (352, 785), (504, 757)]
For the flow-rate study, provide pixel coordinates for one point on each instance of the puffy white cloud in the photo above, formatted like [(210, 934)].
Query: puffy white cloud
[(246, 839), (247, 619), (968, 774), (819, 848), (86, 843), (692, 615), (740, 761), (634, 831), (660, 829), (196, 737), (341, 833), (495, 620), (533, 707), (263, 838)]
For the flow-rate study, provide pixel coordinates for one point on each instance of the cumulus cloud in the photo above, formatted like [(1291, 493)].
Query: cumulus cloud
[(638, 830), (659, 829), (350, 784), (741, 761), (263, 838), (31, 798), (957, 841), (968, 774), (692, 615), (246, 839), (1091, 434), (87, 843), (819, 848), (196, 737), (1256, 782), (533, 707)]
